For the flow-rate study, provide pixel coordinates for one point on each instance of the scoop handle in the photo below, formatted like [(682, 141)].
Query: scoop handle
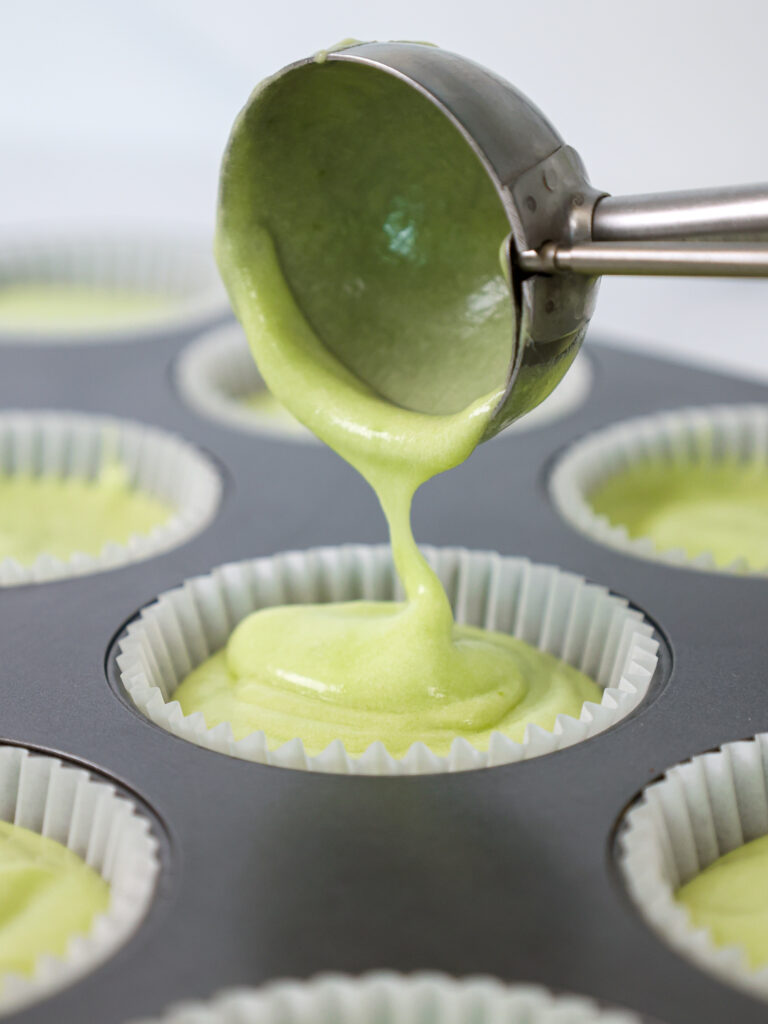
[(656, 259), (731, 213), (720, 232)]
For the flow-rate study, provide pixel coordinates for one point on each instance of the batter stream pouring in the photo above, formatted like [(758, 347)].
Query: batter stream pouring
[(367, 671), (366, 246)]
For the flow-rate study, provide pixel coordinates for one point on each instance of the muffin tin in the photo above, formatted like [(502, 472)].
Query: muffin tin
[(268, 872)]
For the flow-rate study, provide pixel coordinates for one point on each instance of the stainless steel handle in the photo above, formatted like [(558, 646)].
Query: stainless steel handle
[(719, 232), (732, 213), (684, 259)]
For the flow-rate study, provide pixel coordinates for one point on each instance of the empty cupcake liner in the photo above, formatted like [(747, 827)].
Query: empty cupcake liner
[(383, 997), (217, 372), (63, 444), (558, 612), (179, 268), (696, 434), (107, 831), (699, 811)]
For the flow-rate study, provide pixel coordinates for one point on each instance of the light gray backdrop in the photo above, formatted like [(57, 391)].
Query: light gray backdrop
[(116, 111)]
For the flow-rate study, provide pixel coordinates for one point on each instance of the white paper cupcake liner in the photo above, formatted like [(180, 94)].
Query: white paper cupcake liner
[(107, 831), (64, 444), (217, 371), (383, 997), (179, 268), (556, 611), (699, 811), (696, 434)]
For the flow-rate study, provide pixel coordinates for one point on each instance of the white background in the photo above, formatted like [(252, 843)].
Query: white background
[(115, 113)]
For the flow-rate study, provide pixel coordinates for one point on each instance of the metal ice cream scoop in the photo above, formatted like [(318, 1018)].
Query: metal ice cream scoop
[(564, 233)]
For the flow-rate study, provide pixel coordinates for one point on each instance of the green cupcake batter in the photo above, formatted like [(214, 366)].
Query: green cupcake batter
[(29, 306), (368, 671), (61, 516), (730, 900), (47, 896), (713, 506), (405, 228)]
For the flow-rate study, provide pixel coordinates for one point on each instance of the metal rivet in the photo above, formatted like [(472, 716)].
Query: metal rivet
[(530, 202), (578, 199)]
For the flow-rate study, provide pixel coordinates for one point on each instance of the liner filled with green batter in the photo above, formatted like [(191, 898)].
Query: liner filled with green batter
[(694, 854), (104, 287), (383, 997), (689, 488), (81, 494), (217, 376), (581, 660), (78, 868)]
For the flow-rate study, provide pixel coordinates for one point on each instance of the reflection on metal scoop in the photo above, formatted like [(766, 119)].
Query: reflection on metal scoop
[(565, 233)]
